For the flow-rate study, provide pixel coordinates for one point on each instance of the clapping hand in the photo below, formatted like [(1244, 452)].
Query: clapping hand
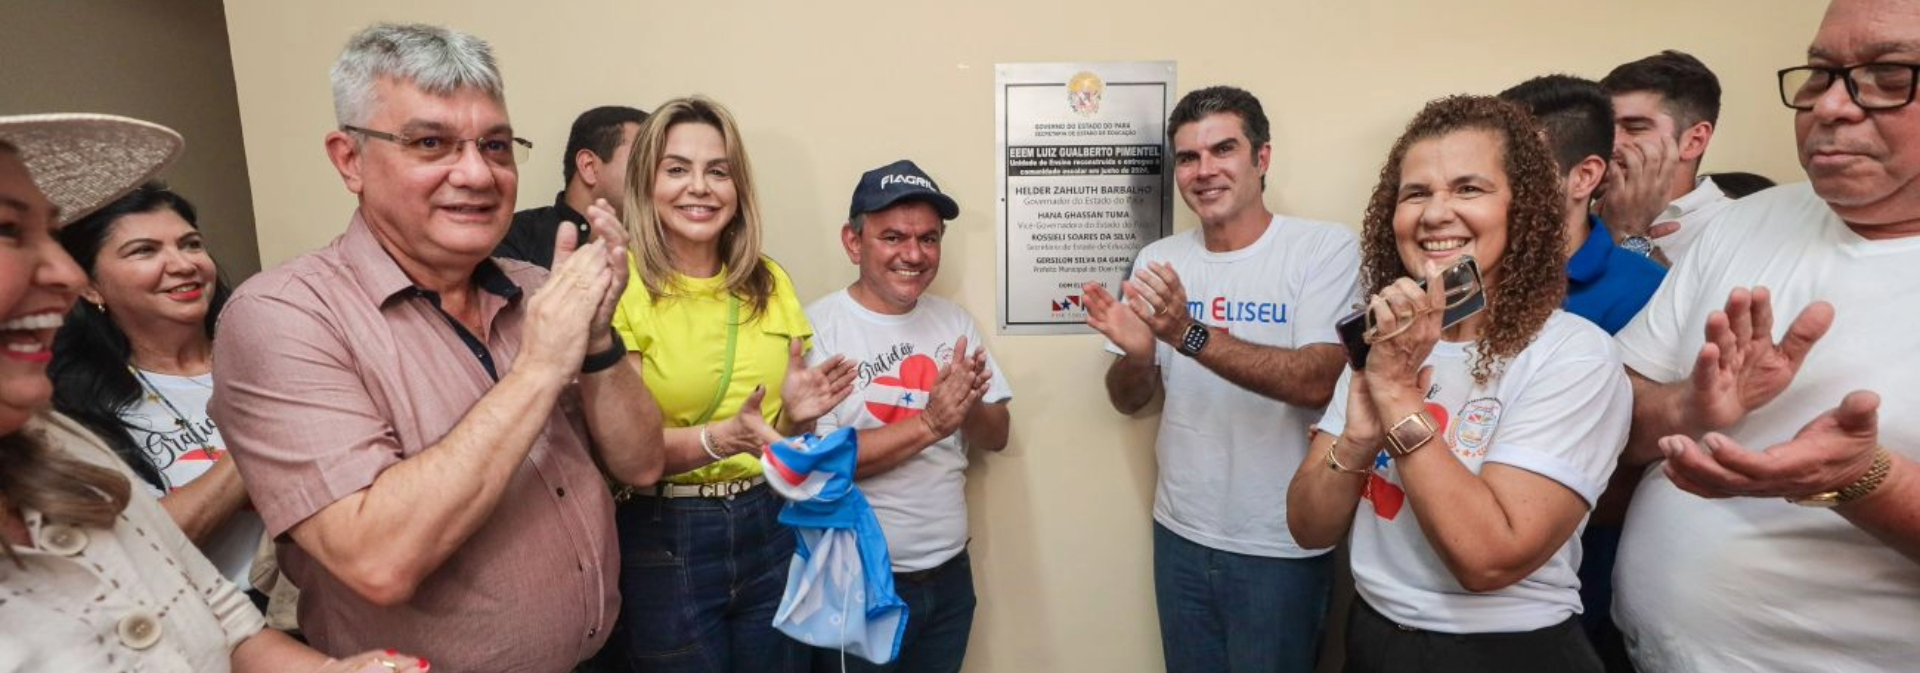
[(1834, 450), (961, 385), (562, 314), (1113, 319), (810, 392), (1740, 368)]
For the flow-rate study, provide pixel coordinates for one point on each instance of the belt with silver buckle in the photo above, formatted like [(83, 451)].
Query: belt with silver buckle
[(718, 489)]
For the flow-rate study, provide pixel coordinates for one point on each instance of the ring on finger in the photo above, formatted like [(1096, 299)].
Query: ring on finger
[(390, 664)]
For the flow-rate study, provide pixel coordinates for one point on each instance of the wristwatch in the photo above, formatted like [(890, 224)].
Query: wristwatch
[(1194, 340), (598, 362), (1411, 433), (1882, 465), (1639, 245)]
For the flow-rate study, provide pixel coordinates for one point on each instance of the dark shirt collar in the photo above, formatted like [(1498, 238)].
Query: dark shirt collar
[(384, 278), (1590, 261), (565, 213)]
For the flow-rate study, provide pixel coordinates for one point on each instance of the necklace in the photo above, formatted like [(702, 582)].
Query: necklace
[(179, 419)]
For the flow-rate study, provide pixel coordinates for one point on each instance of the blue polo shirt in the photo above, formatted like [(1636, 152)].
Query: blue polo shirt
[(1606, 284)]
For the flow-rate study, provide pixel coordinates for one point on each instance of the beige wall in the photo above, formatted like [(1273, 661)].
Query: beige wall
[(826, 90), (160, 60)]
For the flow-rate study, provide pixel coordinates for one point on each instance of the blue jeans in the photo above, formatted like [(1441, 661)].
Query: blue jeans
[(700, 579), (1222, 612), (940, 604)]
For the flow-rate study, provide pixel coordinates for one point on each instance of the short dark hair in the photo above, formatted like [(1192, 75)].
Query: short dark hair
[(1690, 91), (1575, 112), (1200, 103), (598, 130)]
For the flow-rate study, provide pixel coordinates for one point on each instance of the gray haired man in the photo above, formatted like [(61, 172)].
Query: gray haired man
[(418, 423)]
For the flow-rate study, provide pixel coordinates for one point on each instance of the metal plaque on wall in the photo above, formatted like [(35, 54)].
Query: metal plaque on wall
[(1084, 183)]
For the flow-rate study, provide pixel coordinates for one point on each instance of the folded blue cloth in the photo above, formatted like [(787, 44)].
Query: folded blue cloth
[(840, 586)]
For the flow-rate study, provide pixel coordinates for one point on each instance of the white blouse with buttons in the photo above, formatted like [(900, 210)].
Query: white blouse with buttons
[(138, 597)]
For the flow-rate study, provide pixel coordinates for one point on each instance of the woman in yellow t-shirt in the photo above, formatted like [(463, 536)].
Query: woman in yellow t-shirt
[(719, 336)]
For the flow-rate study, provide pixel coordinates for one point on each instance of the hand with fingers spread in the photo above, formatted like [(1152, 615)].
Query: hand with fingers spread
[(1831, 452), (1160, 302), (1741, 368), (810, 392), (1117, 322), (747, 432), (961, 385), (561, 314), (1637, 184)]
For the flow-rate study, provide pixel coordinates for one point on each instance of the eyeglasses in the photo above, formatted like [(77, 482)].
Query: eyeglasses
[(1872, 86), (499, 150)]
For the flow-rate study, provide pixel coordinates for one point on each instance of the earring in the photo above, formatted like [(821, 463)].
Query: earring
[(100, 307)]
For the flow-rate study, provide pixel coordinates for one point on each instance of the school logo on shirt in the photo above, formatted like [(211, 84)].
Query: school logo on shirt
[(892, 398), (1474, 434), (1387, 497)]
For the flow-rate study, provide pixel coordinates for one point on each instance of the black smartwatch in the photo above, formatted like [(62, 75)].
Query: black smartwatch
[(1194, 340), (598, 362)]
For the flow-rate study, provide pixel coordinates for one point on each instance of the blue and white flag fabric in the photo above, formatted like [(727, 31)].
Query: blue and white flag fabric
[(840, 586)]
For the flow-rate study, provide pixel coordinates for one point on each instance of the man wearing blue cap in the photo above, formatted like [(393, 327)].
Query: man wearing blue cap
[(925, 391)]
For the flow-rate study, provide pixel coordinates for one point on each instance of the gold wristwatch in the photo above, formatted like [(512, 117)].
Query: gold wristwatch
[(1882, 465), (1411, 433)]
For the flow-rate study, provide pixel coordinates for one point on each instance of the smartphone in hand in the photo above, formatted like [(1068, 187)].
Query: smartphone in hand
[(1465, 297)]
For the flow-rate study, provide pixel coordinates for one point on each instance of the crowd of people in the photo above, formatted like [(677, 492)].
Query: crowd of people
[(1598, 411)]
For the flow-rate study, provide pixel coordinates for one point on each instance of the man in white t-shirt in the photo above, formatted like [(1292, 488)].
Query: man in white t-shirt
[(1761, 415), (926, 390), (1665, 109), (1235, 322)]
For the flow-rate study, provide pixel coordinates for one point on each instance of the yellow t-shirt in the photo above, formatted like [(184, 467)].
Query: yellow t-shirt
[(683, 341)]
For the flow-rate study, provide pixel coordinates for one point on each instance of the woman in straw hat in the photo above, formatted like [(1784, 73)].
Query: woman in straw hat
[(93, 574)]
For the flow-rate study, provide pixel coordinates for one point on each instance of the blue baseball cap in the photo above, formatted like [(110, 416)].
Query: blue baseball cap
[(895, 182)]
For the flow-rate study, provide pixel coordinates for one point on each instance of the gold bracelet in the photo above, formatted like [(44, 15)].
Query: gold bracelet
[(1333, 462)]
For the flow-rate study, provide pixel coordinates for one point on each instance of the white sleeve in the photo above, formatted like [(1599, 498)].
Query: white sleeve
[(1570, 421), (824, 345), (1663, 340), (1334, 420), (1330, 290), (820, 346)]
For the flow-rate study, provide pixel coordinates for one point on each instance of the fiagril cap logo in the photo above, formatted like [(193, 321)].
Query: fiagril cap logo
[(906, 180)]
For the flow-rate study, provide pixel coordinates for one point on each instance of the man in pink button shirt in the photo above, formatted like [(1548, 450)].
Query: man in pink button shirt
[(419, 424)]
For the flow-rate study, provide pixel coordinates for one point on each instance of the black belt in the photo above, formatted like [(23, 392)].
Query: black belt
[(930, 574)]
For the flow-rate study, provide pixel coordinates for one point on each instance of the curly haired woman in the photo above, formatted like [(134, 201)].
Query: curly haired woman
[(1464, 458)]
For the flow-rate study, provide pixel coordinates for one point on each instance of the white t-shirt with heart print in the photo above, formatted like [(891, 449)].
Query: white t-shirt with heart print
[(1559, 409), (922, 503)]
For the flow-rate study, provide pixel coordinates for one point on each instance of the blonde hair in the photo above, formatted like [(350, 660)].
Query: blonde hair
[(740, 242), (35, 475)]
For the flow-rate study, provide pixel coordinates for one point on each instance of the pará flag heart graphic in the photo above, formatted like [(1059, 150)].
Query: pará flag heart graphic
[(897, 398)]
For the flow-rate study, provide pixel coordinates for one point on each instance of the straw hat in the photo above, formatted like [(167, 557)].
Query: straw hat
[(85, 161)]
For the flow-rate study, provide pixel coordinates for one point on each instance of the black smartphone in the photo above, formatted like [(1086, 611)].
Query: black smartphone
[(1465, 297)]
